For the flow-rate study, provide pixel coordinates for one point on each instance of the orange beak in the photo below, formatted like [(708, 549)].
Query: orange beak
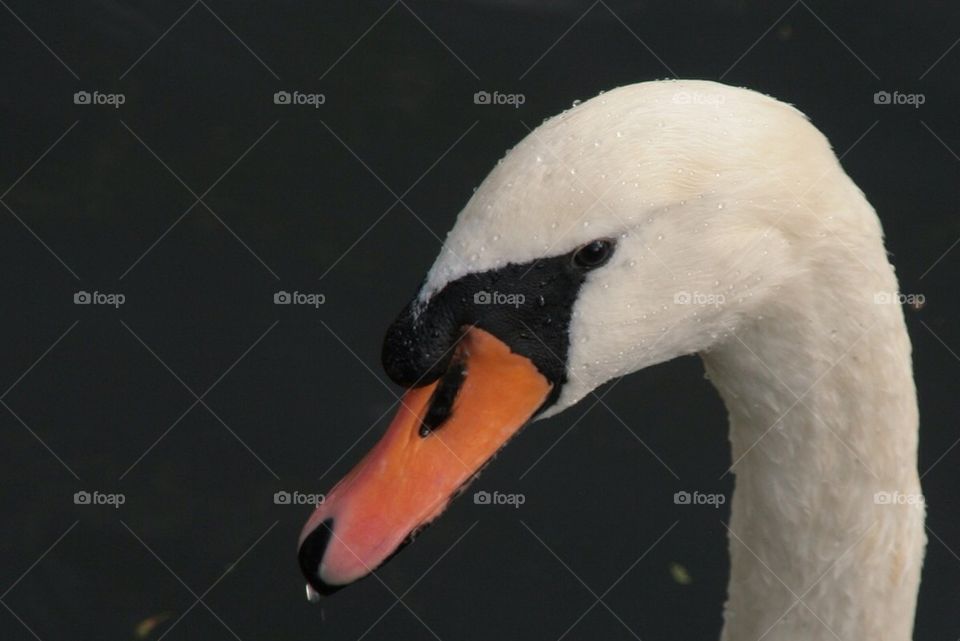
[(441, 436)]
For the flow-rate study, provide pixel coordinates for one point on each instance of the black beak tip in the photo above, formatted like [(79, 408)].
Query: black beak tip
[(311, 554)]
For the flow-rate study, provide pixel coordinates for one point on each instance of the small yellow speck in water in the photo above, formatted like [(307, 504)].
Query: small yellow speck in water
[(147, 626), (680, 574)]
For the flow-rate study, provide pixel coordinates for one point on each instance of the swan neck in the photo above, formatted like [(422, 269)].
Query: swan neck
[(823, 427)]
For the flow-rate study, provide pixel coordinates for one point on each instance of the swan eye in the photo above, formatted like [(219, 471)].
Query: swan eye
[(593, 254)]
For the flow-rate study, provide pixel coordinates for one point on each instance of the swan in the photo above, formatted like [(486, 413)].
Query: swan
[(655, 220)]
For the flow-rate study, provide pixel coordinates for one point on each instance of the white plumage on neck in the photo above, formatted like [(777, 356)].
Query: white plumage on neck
[(740, 237)]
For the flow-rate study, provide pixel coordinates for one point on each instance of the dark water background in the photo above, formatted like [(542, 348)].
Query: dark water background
[(199, 511)]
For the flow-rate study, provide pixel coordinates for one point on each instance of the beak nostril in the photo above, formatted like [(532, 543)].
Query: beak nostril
[(441, 402), (311, 554)]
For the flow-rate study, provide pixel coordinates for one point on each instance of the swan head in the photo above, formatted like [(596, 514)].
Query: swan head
[(649, 222)]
